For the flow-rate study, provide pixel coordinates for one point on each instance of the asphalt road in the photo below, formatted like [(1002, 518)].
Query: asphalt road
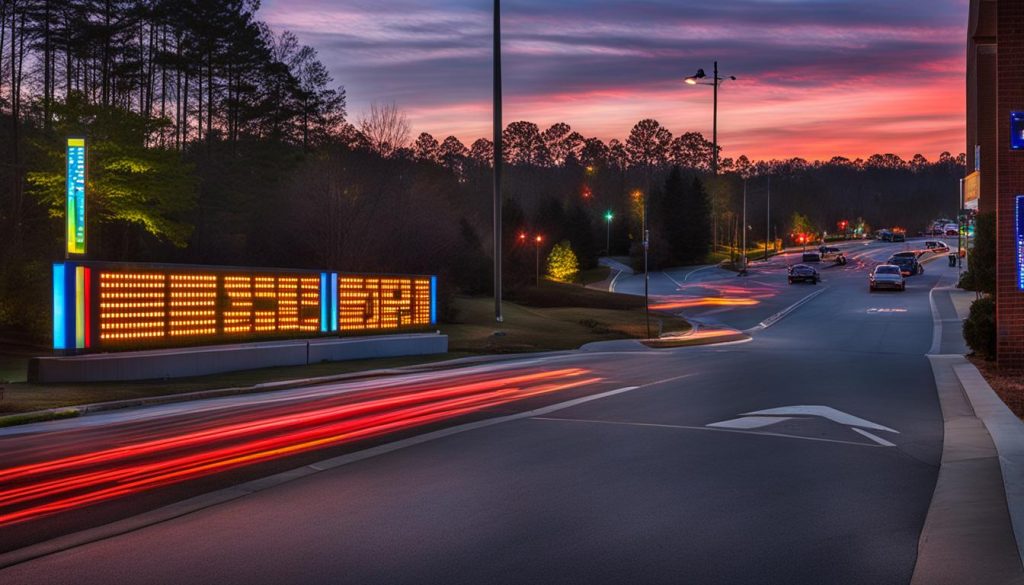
[(629, 483)]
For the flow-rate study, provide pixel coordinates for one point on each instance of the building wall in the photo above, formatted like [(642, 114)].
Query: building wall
[(981, 98), (1009, 299)]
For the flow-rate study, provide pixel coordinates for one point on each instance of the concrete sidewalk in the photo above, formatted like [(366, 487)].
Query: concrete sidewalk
[(975, 525)]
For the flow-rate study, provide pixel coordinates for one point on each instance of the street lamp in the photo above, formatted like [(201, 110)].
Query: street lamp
[(497, 161), (608, 238), (697, 79), (537, 240), (646, 243)]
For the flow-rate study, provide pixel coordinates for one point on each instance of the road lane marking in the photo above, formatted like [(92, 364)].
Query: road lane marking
[(211, 499), (874, 438), (827, 412), (611, 285), (749, 422), (772, 320), (705, 428)]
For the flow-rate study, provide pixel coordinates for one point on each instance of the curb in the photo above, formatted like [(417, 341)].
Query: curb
[(95, 407), (1007, 432)]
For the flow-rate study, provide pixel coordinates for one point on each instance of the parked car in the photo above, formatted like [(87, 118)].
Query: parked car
[(907, 263), (803, 273), (886, 276), (898, 237), (811, 257)]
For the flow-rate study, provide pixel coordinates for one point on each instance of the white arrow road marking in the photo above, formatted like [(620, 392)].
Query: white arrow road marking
[(749, 422), (874, 438), (824, 412)]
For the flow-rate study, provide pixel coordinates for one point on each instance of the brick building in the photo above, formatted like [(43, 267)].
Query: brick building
[(995, 93)]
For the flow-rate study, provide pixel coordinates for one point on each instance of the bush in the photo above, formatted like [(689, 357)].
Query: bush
[(980, 328), (562, 263)]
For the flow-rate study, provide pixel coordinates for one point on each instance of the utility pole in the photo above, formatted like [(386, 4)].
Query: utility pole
[(714, 127), (497, 161)]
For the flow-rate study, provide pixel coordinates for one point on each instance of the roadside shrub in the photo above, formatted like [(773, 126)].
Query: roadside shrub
[(980, 328), (562, 263)]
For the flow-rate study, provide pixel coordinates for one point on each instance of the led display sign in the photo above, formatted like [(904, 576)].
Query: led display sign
[(75, 212), (1020, 242), (104, 305), (1017, 130)]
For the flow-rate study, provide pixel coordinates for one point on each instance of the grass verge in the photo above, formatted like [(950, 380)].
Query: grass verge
[(553, 316)]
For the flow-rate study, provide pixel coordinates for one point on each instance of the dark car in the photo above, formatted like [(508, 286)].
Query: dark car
[(899, 237), (907, 261), (810, 257), (803, 273)]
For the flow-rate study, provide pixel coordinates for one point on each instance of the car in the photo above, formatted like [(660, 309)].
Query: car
[(829, 252), (803, 273), (907, 263), (937, 247), (884, 235), (811, 257), (952, 229), (886, 276), (898, 237)]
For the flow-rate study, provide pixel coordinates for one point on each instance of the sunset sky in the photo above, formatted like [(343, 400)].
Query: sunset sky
[(817, 78)]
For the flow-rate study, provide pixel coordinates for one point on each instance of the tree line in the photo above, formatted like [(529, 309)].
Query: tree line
[(213, 139)]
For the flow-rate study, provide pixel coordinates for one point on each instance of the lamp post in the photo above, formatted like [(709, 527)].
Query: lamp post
[(537, 240), (608, 237), (768, 221), (716, 81), (497, 161)]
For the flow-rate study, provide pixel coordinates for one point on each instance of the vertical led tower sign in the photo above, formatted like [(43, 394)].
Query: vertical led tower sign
[(1020, 242), (76, 196)]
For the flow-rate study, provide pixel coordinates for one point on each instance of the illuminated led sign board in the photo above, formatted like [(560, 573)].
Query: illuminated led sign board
[(110, 306), (75, 212), (1020, 242)]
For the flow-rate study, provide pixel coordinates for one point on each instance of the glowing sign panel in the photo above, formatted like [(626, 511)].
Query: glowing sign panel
[(121, 306), (1020, 242), (75, 212)]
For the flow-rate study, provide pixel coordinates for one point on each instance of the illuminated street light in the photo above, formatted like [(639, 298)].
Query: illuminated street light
[(715, 81), (538, 239), (608, 238)]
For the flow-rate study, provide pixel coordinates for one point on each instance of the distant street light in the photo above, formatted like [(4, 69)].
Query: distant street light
[(696, 79), (608, 238), (537, 240), (646, 243)]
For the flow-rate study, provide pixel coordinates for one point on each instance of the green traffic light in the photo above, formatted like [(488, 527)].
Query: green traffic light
[(608, 216)]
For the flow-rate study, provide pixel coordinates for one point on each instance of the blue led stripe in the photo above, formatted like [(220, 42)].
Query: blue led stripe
[(334, 301), (324, 302), (1020, 242), (433, 300), (59, 324)]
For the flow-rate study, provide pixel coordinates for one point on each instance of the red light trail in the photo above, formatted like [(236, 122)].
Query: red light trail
[(33, 490)]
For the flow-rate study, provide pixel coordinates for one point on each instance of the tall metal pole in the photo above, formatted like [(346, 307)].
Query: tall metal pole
[(608, 237), (497, 161), (743, 255), (714, 127), (537, 259), (768, 222), (960, 229), (647, 278)]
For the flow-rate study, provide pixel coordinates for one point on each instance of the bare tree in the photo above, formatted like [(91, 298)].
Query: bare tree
[(386, 128)]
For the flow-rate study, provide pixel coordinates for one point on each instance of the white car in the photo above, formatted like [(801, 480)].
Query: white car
[(937, 247), (886, 276)]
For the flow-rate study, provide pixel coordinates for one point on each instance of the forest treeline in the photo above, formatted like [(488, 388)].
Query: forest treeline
[(214, 139)]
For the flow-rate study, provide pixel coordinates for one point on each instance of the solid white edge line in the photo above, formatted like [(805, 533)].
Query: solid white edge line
[(611, 285), (775, 318), (874, 438)]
